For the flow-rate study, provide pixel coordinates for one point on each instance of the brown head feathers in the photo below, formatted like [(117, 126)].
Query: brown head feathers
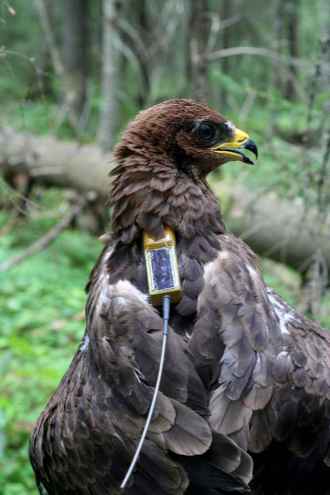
[(161, 163)]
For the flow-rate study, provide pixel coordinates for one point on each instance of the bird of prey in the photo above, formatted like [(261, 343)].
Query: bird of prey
[(246, 382)]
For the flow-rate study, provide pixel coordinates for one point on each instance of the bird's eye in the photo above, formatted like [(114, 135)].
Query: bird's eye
[(206, 132)]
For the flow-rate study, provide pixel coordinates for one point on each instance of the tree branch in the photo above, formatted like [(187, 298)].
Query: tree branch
[(45, 240), (259, 52)]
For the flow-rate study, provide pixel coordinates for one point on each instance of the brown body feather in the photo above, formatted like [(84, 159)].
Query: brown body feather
[(243, 371)]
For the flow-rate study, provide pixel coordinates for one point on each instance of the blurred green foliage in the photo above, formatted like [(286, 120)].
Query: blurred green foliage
[(41, 320)]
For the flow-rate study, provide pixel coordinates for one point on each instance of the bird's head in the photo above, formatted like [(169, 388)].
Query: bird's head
[(161, 163), (194, 137)]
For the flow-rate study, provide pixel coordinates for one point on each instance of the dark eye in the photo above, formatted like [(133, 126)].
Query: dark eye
[(207, 132)]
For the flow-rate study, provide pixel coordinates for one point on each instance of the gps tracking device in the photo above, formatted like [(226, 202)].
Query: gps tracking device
[(164, 288), (162, 267)]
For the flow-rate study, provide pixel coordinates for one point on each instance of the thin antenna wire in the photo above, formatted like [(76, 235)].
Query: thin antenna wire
[(166, 315)]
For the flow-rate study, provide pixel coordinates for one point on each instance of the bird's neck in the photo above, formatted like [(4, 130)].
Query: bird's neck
[(147, 198), (168, 197)]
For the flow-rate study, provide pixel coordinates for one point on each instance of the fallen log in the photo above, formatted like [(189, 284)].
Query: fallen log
[(283, 230), (279, 229), (49, 161)]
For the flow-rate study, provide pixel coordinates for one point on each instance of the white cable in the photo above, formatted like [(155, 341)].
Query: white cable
[(166, 313)]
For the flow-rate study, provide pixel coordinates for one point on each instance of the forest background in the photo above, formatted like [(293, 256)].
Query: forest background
[(72, 73)]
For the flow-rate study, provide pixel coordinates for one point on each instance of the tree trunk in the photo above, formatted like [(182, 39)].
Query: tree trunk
[(292, 14), (199, 31), (45, 9), (70, 63), (75, 55), (110, 75), (227, 9), (144, 29), (279, 72), (53, 162), (279, 229)]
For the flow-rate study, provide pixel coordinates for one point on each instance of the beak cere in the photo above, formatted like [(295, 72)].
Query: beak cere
[(233, 150)]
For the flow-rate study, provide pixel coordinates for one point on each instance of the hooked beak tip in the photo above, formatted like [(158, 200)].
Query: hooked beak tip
[(251, 146)]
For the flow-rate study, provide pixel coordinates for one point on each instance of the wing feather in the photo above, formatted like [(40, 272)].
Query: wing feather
[(267, 367)]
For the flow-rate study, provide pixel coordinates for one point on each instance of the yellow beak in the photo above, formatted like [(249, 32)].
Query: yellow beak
[(232, 150)]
